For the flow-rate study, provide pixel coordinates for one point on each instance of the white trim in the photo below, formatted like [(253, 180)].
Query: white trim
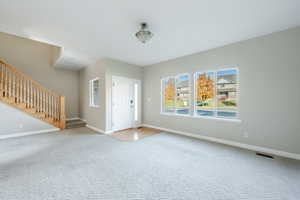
[(215, 99), (109, 132), (91, 92), (94, 106), (195, 75), (231, 143), (162, 93), (204, 117), (98, 130), (190, 93), (193, 96), (177, 115), (219, 118), (74, 118), (237, 92), (134, 123), (28, 133)]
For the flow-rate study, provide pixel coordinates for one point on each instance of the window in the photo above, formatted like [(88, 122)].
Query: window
[(176, 94), (183, 94), (168, 95), (215, 94), (94, 92), (205, 94), (227, 93)]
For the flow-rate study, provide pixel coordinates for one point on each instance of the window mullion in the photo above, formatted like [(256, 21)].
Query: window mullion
[(215, 95), (175, 94)]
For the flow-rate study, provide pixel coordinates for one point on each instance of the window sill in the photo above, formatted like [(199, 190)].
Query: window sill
[(94, 106), (204, 117)]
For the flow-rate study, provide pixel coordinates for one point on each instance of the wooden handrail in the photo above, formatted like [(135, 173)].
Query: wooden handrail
[(27, 77), (21, 91)]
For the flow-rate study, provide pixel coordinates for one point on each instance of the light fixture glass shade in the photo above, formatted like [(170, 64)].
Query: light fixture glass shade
[(144, 34)]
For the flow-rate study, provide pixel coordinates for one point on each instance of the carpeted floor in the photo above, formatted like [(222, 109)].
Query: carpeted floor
[(81, 165)]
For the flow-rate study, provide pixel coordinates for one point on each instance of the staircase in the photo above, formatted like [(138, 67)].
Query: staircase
[(22, 92)]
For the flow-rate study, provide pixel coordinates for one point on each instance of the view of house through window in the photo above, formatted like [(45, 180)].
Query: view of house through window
[(176, 94), (227, 93), (205, 94), (168, 86), (183, 94), (216, 94)]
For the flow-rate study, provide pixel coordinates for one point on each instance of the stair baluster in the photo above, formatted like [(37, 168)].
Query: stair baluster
[(19, 90)]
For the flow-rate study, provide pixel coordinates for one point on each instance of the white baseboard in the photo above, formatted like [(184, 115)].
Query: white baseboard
[(74, 118), (231, 143), (99, 130), (109, 132), (95, 129), (28, 133)]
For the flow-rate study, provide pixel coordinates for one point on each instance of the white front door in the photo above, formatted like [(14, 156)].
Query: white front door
[(126, 97)]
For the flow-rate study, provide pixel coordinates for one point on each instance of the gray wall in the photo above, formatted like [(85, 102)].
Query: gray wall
[(104, 69), (94, 116), (117, 68), (269, 103), (36, 59), (15, 121)]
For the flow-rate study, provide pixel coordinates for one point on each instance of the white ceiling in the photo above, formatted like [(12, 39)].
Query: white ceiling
[(106, 28)]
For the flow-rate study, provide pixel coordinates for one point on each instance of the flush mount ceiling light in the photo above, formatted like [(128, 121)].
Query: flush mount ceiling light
[(144, 34)]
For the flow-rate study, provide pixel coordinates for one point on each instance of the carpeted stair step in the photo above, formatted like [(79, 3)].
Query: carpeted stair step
[(75, 124)]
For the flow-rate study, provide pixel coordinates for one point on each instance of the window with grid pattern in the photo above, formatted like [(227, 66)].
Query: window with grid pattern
[(94, 92)]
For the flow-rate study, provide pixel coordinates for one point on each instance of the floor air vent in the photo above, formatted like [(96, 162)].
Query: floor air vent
[(265, 155)]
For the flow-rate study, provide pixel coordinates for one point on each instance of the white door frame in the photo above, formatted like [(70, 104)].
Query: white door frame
[(134, 83)]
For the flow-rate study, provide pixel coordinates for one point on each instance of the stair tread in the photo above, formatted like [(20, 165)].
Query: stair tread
[(77, 122), (74, 120), (75, 126)]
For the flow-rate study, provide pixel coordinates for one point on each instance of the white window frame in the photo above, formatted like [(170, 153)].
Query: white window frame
[(91, 92), (190, 99), (192, 108), (216, 110), (175, 98), (162, 94), (195, 95), (237, 94)]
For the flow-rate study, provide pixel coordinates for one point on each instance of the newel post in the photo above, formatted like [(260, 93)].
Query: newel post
[(62, 113)]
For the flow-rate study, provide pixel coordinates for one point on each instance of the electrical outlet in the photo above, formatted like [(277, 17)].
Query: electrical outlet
[(20, 125), (246, 135)]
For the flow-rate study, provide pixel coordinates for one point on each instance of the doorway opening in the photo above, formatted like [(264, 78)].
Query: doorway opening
[(126, 103)]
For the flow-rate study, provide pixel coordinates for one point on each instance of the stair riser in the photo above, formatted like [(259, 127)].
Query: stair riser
[(70, 127), (75, 124)]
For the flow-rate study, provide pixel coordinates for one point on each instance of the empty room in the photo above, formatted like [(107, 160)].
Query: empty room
[(150, 100)]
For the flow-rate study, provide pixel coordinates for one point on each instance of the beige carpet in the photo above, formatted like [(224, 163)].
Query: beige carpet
[(81, 165)]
